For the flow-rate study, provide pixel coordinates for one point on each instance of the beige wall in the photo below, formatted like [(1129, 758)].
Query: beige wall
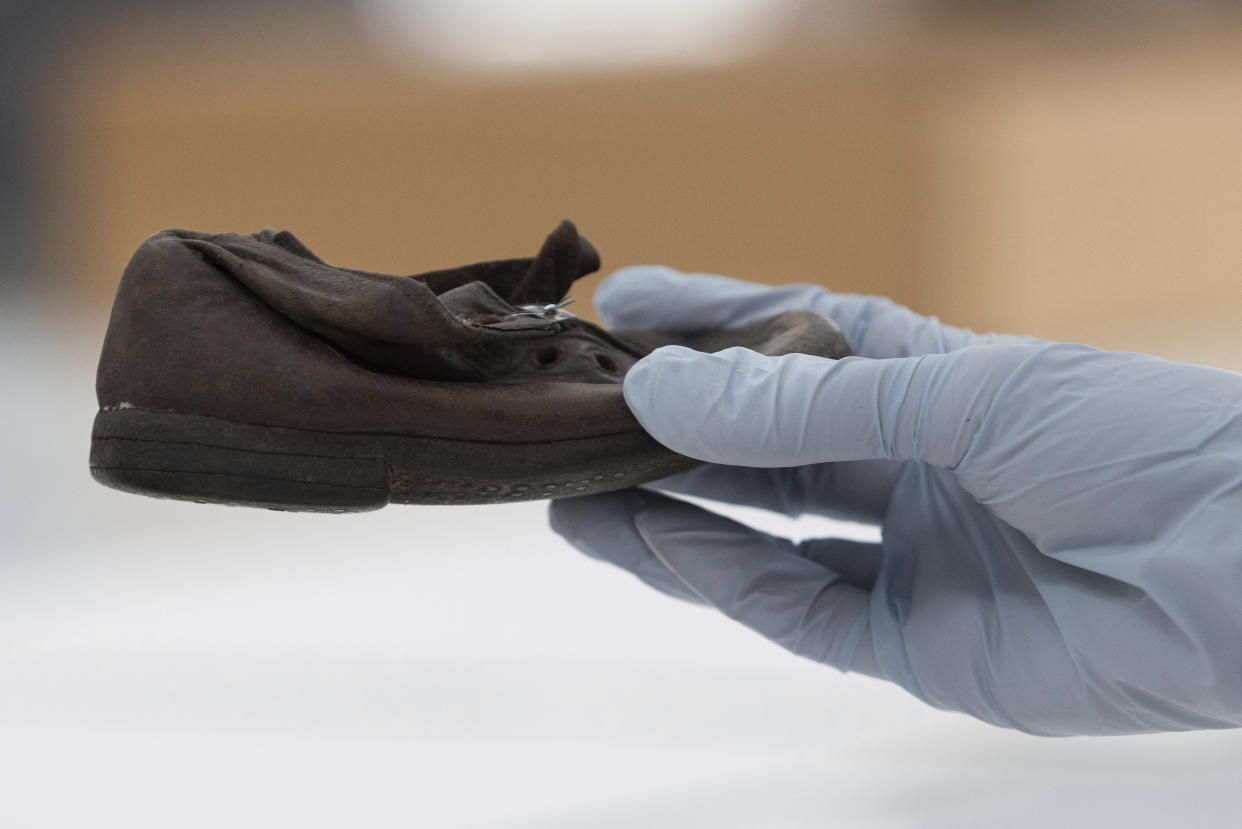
[(1085, 187)]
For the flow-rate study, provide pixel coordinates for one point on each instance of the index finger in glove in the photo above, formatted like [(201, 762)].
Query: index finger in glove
[(658, 298)]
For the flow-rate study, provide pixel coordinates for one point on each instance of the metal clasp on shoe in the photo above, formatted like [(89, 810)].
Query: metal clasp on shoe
[(552, 312)]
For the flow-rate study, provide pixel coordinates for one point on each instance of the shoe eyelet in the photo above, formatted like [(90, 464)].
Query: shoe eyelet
[(547, 355), (605, 362)]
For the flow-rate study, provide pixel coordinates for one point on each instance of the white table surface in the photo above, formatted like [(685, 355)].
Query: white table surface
[(165, 664)]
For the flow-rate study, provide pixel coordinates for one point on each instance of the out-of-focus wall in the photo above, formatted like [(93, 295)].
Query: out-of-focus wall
[(1082, 185), (779, 171)]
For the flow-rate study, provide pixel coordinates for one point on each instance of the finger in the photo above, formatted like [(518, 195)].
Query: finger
[(739, 407), (762, 582), (655, 298), (602, 526), (858, 562), (849, 491)]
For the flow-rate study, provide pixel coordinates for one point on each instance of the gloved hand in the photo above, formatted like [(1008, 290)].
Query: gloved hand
[(1062, 526)]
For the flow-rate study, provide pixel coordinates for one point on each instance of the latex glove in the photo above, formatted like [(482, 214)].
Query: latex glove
[(1062, 526)]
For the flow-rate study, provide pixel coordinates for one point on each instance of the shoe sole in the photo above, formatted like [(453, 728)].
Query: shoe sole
[(213, 460)]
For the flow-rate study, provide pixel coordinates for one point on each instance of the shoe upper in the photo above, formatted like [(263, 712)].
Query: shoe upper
[(258, 329)]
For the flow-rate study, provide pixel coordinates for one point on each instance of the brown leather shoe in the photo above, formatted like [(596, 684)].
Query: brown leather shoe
[(243, 370)]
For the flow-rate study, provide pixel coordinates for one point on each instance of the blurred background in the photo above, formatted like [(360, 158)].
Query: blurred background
[(1071, 170)]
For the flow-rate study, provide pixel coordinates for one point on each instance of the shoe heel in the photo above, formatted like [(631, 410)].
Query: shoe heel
[(205, 459)]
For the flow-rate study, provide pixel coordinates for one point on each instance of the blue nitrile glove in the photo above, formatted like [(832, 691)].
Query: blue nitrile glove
[(1062, 526)]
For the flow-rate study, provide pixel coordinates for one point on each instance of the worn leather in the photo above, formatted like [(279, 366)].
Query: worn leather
[(257, 329)]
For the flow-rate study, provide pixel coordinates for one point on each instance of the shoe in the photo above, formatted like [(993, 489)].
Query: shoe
[(242, 369)]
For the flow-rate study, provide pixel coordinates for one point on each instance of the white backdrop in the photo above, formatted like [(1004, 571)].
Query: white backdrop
[(167, 664)]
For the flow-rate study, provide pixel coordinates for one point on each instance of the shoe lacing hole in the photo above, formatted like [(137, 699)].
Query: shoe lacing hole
[(547, 355), (605, 362)]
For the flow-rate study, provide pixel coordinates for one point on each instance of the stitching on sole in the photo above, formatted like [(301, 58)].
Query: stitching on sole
[(241, 449), (139, 410), (371, 487)]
